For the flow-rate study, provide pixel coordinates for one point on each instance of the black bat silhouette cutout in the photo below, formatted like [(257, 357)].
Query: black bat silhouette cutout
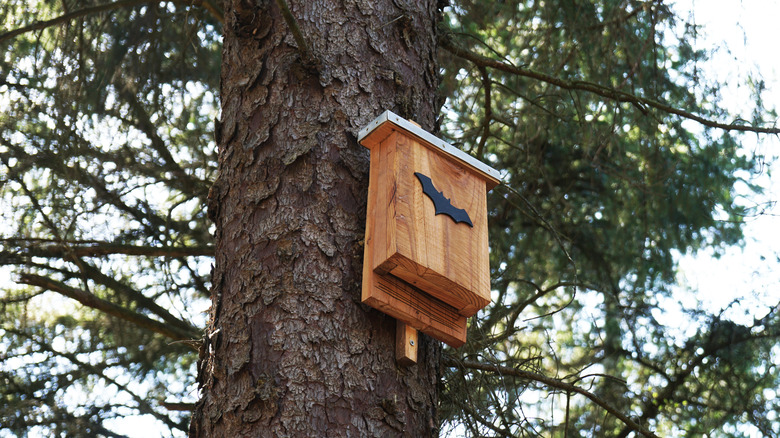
[(442, 204)]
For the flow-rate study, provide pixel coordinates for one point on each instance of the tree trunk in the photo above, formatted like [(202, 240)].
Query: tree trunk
[(290, 349)]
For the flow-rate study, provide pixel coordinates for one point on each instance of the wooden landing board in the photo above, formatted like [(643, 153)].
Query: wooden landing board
[(414, 307)]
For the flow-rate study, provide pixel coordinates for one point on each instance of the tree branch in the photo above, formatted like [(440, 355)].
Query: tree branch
[(100, 249), (99, 371), (177, 406), (213, 9), (306, 54), (552, 383), (486, 82), (40, 25), (478, 417), (144, 123), (146, 216), (23, 254), (446, 42), (20, 299), (90, 300), (139, 298), (679, 380)]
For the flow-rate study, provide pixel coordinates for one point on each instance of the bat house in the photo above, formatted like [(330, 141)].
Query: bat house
[(426, 247)]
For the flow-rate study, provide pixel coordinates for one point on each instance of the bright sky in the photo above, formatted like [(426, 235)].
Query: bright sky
[(745, 34)]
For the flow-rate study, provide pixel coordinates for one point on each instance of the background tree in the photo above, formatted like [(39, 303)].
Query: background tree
[(107, 156)]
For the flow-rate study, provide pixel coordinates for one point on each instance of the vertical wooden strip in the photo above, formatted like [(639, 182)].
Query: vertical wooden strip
[(405, 344)]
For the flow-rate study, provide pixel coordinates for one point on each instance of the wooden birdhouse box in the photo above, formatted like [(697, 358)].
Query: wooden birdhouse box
[(426, 247)]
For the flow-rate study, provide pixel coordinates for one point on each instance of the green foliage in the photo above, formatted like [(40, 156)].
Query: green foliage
[(600, 197), (107, 154)]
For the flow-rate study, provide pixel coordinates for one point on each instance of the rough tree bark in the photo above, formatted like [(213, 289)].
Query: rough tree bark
[(290, 349)]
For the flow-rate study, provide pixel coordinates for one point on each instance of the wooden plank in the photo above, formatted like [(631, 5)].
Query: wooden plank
[(405, 344), (433, 283), (379, 201)]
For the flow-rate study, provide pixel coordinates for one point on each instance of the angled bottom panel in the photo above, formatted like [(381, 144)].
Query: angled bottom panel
[(414, 307)]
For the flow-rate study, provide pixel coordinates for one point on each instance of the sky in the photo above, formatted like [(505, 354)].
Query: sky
[(744, 35)]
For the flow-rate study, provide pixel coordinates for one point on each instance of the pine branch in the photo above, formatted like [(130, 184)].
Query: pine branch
[(446, 42), (486, 82), (133, 295), (40, 25), (20, 299), (99, 371), (90, 300), (478, 418), (306, 54), (137, 297), (142, 121), (142, 212), (100, 249), (213, 9), (680, 379), (552, 383), (177, 406)]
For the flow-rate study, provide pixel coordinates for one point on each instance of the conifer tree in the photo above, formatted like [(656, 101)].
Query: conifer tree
[(142, 142)]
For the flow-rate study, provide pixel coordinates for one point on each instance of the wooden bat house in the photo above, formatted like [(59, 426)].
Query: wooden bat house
[(426, 248)]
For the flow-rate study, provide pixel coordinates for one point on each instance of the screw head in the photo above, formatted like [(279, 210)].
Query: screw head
[(411, 342)]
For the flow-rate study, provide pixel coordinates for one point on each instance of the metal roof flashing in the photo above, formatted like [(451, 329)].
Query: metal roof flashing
[(429, 139)]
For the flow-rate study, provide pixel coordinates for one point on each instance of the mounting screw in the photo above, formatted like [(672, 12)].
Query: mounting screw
[(411, 342)]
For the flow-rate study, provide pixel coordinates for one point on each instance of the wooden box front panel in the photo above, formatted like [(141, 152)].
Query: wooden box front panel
[(390, 294), (431, 252)]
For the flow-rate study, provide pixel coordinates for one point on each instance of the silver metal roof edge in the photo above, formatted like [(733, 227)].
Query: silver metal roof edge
[(389, 116)]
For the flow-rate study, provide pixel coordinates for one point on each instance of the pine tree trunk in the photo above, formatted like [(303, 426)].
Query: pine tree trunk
[(291, 351)]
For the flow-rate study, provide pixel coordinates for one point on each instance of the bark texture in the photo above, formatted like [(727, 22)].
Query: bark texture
[(290, 349)]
